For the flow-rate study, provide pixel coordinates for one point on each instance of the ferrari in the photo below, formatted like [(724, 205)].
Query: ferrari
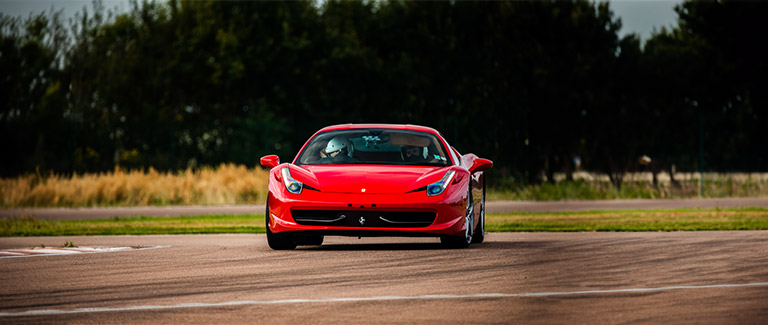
[(376, 180)]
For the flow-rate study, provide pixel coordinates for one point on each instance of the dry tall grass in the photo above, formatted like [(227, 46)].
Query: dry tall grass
[(236, 184), (225, 184)]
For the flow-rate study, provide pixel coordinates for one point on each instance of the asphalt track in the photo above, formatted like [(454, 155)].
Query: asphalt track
[(492, 206), (658, 277)]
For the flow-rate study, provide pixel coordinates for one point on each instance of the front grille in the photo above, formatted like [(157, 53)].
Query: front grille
[(373, 219)]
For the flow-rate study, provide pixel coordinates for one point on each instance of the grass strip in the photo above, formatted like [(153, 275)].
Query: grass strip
[(632, 220), (622, 220), (210, 224)]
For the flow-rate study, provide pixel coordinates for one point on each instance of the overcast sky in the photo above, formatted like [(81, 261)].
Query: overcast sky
[(642, 16), (637, 16)]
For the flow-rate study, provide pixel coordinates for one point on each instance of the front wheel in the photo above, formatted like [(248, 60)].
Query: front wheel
[(479, 235), (469, 221), (278, 241), (308, 240)]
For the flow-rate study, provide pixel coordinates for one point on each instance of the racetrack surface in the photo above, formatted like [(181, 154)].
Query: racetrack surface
[(669, 277), (492, 206)]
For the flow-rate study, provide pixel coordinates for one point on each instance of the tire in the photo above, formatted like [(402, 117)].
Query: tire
[(308, 240), (469, 219), (479, 235), (278, 241)]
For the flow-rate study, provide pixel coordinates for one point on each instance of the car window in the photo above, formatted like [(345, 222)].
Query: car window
[(457, 157), (375, 146)]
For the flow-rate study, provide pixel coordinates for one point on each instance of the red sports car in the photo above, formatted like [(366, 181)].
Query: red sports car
[(376, 180)]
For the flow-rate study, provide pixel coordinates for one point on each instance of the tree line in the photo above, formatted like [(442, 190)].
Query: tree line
[(538, 87)]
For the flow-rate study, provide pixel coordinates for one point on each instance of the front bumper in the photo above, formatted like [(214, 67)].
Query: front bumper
[(382, 214)]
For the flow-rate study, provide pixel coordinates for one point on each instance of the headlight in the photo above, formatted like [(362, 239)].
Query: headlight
[(291, 184), (438, 187)]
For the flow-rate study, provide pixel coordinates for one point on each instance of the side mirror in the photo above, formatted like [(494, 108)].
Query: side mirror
[(480, 165), (270, 161)]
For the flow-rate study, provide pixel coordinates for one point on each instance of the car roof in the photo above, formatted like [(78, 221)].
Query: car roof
[(351, 126)]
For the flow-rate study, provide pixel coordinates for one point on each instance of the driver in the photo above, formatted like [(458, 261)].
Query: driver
[(340, 149), (412, 153)]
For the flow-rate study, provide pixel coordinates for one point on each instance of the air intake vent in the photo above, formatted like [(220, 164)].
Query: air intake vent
[(372, 219)]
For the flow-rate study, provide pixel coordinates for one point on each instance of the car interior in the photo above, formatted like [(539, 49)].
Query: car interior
[(384, 147)]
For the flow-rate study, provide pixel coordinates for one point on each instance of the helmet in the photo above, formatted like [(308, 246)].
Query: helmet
[(412, 153), (339, 143)]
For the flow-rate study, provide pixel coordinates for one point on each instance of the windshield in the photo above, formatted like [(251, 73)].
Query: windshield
[(374, 146)]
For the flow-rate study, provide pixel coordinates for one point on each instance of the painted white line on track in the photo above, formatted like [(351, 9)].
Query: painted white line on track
[(44, 312), (56, 251)]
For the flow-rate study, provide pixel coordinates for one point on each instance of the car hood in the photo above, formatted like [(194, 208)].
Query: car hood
[(367, 179)]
